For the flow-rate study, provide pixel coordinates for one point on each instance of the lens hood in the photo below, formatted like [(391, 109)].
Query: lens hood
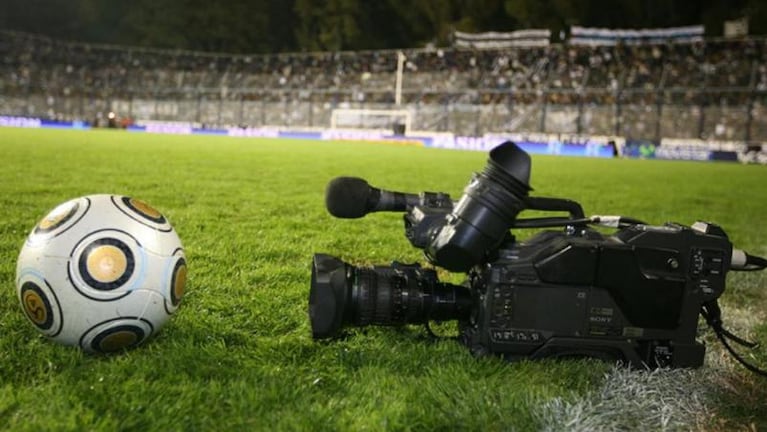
[(327, 296)]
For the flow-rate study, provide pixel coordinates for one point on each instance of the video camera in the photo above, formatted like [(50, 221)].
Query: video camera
[(633, 296)]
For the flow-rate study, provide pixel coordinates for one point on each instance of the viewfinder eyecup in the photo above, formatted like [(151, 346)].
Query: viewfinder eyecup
[(485, 212)]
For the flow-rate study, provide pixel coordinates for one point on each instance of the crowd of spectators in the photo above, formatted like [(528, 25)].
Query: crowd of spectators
[(30, 60), (720, 73)]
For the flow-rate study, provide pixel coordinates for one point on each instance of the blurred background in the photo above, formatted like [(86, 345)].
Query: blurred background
[(635, 69), (272, 26)]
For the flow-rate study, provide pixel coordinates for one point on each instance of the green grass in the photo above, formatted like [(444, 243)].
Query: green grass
[(238, 355)]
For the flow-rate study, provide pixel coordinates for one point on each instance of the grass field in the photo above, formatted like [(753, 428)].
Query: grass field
[(238, 355)]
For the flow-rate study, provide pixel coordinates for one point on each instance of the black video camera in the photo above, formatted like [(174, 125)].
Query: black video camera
[(633, 296)]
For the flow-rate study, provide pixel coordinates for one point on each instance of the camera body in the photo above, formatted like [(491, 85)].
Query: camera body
[(633, 296)]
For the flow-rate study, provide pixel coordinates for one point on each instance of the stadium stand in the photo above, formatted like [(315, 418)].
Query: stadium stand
[(715, 89)]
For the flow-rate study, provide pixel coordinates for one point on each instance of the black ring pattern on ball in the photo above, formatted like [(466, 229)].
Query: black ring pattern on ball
[(140, 336), (129, 203), (144, 321), (170, 306), (66, 219), (106, 286), (143, 218), (176, 300), (70, 213), (31, 286)]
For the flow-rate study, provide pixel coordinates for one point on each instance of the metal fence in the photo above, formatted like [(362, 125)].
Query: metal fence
[(639, 114)]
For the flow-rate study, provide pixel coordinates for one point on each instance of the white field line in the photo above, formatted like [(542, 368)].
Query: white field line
[(659, 400)]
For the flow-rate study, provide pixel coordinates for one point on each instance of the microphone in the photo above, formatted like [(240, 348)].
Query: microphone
[(353, 197)]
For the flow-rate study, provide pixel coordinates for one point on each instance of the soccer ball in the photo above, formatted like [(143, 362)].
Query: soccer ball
[(102, 272)]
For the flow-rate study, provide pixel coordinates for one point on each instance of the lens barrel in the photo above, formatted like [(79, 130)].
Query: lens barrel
[(485, 212), (344, 295)]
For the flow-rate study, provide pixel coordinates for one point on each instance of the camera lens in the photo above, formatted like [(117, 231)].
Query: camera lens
[(344, 295), (485, 212)]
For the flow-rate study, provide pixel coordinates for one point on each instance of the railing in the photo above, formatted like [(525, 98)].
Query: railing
[(639, 114)]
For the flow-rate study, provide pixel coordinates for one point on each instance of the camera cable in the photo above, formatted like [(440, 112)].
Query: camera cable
[(713, 315), (550, 222)]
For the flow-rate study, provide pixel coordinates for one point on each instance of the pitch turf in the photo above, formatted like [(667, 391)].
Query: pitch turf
[(238, 354)]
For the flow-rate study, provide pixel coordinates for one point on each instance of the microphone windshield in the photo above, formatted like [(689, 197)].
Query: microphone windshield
[(347, 197)]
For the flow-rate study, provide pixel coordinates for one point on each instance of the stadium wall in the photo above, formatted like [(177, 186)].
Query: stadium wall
[(601, 146)]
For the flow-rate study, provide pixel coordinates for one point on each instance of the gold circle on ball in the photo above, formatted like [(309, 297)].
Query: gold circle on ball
[(118, 340), (58, 216), (34, 306), (145, 209), (106, 263), (180, 283)]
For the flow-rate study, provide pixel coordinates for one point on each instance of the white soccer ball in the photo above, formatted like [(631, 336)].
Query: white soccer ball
[(102, 272)]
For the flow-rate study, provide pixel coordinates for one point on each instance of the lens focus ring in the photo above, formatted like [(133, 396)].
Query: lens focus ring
[(365, 296)]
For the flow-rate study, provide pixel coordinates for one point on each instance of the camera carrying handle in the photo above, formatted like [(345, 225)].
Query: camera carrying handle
[(575, 218), (555, 204)]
